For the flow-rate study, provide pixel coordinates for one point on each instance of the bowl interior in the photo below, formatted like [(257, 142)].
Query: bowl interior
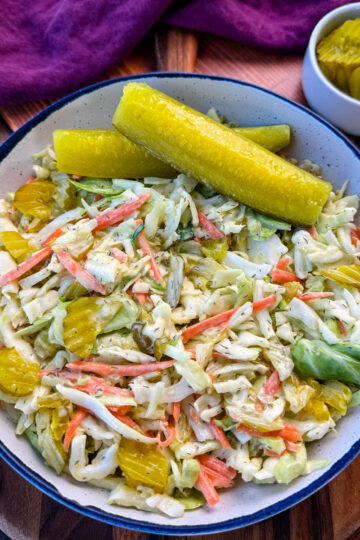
[(247, 105)]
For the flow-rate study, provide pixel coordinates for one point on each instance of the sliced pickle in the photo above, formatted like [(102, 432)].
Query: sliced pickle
[(35, 199), (16, 245), (143, 465), (339, 56), (17, 377)]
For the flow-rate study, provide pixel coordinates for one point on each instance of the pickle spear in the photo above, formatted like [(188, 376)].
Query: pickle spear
[(213, 154), (104, 153), (273, 138)]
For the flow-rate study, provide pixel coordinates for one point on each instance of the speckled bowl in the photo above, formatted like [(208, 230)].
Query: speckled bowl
[(245, 104)]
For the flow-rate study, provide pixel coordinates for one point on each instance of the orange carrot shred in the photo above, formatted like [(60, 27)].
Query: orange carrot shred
[(282, 276), (24, 267), (219, 434), (119, 214), (72, 427), (283, 263), (209, 226), (265, 303), (129, 370), (341, 327), (176, 410), (206, 487)]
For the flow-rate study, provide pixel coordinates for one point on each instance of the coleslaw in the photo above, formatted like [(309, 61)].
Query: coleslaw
[(162, 341)]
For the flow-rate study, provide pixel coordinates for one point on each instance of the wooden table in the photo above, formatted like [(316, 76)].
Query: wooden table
[(331, 513)]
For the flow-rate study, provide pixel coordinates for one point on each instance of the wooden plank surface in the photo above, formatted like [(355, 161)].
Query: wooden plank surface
[(331, 513)]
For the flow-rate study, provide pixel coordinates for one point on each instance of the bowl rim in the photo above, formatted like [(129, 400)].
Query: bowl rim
[(138, 525), (313, 41)]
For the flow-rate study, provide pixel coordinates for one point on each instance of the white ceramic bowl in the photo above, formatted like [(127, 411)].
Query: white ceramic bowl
[(325, 98), (246, 105)]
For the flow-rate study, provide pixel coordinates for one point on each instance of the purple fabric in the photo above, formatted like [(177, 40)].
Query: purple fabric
[(276, 24), (51, 47)]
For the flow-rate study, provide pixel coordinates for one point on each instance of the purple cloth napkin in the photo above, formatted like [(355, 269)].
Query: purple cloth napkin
[(51, 47)]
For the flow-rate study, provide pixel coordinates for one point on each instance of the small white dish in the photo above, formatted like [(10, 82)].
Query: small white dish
[(324, 97), (246, 104)]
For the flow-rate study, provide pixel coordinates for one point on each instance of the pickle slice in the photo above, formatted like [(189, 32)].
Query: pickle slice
[(213, 154), (143, 465), (104, 153), (354, 83), (339, 54), (16, 245), (86, 318), (17, 377), (34, 199), (348, 273)]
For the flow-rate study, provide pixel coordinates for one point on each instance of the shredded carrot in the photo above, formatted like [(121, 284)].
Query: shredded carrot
[(130, 370), (170, 436), (120, 411), (92, 386), (24, 267), (292, 446), (265, 303), (289, 432), (355, 236), (200, 327), (282, 276), (142, 298), (219, 434), (217, 465), (313, 233), (84, 277), (119, 214), (209, 226), (341, 327), (176, 411), (283, 263), (129, 292), (146, 249), (272, 385), (52, 237), (96, 384), (76, 176), (270, 453), (118, 254), (314, 295), (217, 479), (72, 427), (218, 320), (30, 179), (206, 487)]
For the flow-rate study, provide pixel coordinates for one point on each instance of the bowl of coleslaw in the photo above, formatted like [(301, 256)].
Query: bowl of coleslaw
[(173, 361)]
